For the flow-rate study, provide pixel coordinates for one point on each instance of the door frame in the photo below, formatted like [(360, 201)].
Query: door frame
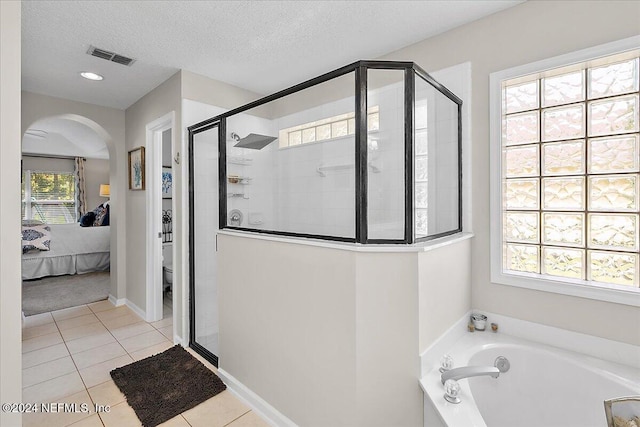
[(153, 170)]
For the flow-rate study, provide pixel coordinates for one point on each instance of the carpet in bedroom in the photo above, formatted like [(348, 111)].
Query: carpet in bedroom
[(58, 292)]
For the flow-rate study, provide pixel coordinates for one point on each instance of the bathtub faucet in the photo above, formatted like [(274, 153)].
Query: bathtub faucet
[(469, 371)]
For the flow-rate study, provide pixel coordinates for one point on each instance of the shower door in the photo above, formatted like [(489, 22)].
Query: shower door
[(203, 225)]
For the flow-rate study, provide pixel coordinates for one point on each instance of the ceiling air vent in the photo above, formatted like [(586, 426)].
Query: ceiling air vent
[(110, 56)]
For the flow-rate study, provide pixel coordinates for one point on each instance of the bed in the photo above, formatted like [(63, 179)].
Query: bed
[(72, 250)]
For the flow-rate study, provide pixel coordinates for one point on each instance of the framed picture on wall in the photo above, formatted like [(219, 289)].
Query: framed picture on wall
[(136, 169), (167, 182)]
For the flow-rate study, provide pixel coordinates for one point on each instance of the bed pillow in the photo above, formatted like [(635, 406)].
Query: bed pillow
[(36, 236), (87, 219), (102, 213)]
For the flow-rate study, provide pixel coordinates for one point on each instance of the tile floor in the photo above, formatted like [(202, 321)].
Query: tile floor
[(67, 356)]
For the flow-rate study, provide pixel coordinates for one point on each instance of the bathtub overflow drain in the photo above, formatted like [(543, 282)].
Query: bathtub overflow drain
[(502, 363)]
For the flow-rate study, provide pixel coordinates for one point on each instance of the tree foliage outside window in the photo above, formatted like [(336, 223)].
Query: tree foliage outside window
[(48, 197)]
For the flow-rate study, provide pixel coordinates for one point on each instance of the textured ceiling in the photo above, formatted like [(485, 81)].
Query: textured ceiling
[(263, 46)]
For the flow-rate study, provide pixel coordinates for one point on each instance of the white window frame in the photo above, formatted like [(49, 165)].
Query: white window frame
[(579, 288), (28, 209)]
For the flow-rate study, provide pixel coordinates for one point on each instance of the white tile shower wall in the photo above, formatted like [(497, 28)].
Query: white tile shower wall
[(309, 203), (254, 200)]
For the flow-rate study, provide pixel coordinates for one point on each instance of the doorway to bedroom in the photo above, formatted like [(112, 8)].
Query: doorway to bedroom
[(66, 236)]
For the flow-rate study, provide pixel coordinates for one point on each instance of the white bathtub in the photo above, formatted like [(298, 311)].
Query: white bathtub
[(545, 387)]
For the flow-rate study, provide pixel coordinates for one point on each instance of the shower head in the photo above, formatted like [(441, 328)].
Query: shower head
[(254, 141)]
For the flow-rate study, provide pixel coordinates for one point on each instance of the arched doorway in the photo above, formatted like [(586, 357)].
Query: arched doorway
[(65, 137)]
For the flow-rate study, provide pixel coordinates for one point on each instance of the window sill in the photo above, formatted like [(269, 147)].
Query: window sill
[(577, 288)]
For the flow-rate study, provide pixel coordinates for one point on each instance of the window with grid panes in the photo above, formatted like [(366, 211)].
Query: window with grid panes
[(49, 196), (326, 129), (570, 181)]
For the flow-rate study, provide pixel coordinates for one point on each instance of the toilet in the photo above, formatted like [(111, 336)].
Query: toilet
[(167, 266)]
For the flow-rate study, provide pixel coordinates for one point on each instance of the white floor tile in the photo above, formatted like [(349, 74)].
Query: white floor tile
[(46, 371), (83, 331), (131, 330), (95, 340), (150, 351), (162, 323), (107, 394), (93, 421), (121, 321), (97, 355), (37, 331), (53, 389), (74, 322), (87, 343), (43, 355), (97, 374), (84, 410), (99, 306), (123, 310), (68, 313), (142, 341), (41, 342), (167, 331)]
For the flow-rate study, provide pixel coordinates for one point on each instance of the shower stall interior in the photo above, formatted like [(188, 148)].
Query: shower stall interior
[(369, 154)]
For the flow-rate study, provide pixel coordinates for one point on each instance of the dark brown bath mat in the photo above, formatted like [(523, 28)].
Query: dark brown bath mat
[(162, 386)]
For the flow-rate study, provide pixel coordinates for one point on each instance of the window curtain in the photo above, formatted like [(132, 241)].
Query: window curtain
[(81, 198)]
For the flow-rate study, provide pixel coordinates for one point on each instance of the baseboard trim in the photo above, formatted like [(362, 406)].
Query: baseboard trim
[(270, 414), (178, 340), (140, 312), (117, 302)]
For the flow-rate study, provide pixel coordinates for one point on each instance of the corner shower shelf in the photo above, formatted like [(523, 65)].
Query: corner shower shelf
[(235, 179)]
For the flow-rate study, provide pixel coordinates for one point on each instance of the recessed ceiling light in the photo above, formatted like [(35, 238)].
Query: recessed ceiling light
[(91, 76)]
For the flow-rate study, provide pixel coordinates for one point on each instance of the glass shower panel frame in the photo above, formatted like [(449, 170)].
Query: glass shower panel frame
[(437, 158), (203, 200), (294, 186), (385, 155), (362, 154)]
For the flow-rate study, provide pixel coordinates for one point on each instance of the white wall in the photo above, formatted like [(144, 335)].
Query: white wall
[(338, 331), (109, 123), (287, 327), (10, 137), (96, 173), (155, 104), (525, 33), (444, 288), (47, 164)]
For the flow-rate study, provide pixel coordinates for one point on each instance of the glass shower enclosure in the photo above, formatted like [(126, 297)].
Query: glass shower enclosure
[(369, 153)]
